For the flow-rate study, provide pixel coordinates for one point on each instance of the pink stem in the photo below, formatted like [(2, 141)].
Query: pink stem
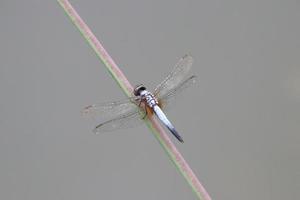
[(155, 126)]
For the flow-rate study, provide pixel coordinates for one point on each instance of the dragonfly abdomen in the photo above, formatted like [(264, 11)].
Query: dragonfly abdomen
[(163, 118)]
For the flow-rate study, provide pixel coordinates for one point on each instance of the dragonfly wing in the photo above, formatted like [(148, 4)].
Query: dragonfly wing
[(111, 110), (167, 99), (128, 120), (179, 72)]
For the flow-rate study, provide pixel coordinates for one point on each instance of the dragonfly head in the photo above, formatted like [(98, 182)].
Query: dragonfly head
[(138, 89)]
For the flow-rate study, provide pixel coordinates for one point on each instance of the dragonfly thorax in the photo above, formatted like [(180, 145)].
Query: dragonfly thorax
[(149, 98)]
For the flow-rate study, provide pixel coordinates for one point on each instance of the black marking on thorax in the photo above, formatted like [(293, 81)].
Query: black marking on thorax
[(150, 99)]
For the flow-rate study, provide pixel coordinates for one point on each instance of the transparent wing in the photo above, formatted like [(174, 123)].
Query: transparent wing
[(175, 77), (181, 87), (107, 111), (168, 98), (135, 117), (124, 121)]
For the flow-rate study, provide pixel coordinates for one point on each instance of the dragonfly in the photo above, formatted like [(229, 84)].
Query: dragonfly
[(133, 110)]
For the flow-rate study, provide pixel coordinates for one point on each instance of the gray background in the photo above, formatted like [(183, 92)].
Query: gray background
[(240, 121)]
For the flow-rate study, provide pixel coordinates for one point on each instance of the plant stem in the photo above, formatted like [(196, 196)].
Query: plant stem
[(122, 81)]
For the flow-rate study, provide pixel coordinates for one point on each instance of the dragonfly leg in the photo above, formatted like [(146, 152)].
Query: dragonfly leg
[(146, 112), (140, 102), (145, 109)]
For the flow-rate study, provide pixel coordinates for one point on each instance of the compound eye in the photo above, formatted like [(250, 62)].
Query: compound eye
[(137, 91), (142, 88)]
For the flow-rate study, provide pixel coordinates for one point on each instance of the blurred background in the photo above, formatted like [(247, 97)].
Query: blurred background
[(240, 122)]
